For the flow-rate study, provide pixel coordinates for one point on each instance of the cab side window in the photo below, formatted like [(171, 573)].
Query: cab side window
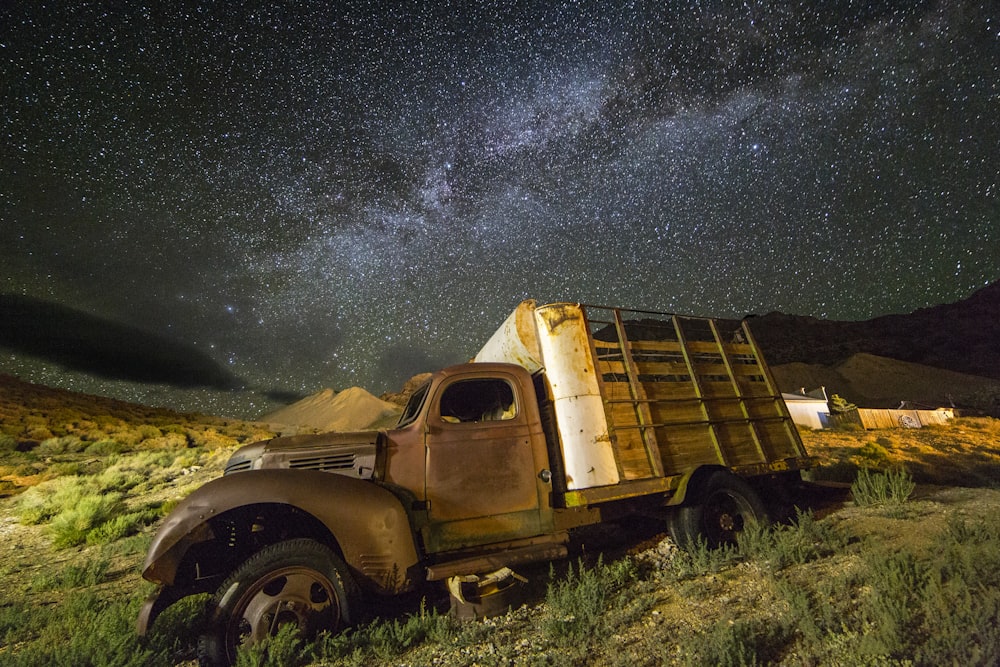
[(478, 401)]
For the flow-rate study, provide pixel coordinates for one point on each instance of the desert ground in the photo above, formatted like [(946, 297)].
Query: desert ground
[(901, 580)]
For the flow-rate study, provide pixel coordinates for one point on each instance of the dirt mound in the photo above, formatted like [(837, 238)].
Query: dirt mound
[(353, 409), (878, 382)]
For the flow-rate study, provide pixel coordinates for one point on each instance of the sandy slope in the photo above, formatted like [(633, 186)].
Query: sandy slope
[(878, 382), (353, 409)]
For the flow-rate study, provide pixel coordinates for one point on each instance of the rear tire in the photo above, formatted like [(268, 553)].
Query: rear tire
[(298, 581), (724, 506)]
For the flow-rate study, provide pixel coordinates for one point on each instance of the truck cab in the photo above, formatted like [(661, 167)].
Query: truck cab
[(470, 450)]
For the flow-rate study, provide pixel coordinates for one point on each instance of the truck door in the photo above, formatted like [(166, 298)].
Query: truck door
[(481, 449)]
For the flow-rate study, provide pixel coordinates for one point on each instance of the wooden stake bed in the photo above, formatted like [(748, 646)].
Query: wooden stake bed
[(682, 392)]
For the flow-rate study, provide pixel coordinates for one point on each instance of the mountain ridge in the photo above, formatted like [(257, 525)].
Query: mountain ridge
[(963, 336)]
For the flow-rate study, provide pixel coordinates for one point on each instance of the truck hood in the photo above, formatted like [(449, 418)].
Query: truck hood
[(351, 454)]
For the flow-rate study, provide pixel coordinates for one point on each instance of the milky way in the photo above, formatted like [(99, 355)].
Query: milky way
[(348, 193)]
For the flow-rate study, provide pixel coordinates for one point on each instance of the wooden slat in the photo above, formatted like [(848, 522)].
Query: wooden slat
[(668, 346), (666, 391), (718, 390), (685, 447), (641, 405), (678, 413), (703, 346), (644, 368), (699, 399)]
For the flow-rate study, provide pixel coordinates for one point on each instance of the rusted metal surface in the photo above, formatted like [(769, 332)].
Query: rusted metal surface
[(544, 547), (516, 341), (482, 475), (585, 442), (377, 541), (351, 454)]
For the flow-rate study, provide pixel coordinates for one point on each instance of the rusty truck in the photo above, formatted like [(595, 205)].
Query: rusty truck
[(569, 416)]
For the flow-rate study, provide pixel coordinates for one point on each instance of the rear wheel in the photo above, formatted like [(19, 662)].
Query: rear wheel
[(725, 505), (298, 581)]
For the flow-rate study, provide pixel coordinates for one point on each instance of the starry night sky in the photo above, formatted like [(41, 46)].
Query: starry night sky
[(347, 193)]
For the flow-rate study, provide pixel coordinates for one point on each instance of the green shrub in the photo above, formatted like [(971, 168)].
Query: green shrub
[(120, 477), (872, 455), (66, 469), (8, 443), (104, 447), (578, 603), (284, 649), (735, 642), (42, 502), (90, 573), (85, 629), (72, 525), (939, 605), (698, 558), (888, 609), (19, 619), (889, 488), (67, 444), (779, 546), (120, 526), (86, 508), (391, 638), (814, 613), (385, 640), (147, 432)]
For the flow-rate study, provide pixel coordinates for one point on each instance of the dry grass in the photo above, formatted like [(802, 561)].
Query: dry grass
[(964, 452), (47, 433)]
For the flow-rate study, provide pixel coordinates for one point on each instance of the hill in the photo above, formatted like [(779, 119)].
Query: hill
[(962, 336), (879, 382), (42, 428), (353, 409)]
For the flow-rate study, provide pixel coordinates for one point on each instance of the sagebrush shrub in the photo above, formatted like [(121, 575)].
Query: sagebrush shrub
[(90, 573), (892, 487), (72, 525), (284, 649), (577, 603), (8, 443)]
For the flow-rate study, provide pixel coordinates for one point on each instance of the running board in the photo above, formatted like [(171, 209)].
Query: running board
[(496, 560)]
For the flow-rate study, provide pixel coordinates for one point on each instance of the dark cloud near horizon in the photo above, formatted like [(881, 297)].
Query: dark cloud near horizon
[(104, 348)]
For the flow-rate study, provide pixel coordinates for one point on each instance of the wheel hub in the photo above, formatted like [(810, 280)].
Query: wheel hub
[(300, 597)]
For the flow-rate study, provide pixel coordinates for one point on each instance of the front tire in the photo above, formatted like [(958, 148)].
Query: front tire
[(297, 581), (724, 507)]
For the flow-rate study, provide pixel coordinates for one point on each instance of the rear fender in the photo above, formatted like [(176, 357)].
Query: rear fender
[(690, 484), (368, 523)]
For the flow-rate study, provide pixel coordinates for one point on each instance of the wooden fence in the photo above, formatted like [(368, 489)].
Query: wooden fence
[(875, 418)]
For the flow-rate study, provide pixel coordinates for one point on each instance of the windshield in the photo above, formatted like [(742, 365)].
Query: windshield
[(413, 405)]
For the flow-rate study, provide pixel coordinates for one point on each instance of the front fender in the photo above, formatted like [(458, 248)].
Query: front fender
[(368, 522)]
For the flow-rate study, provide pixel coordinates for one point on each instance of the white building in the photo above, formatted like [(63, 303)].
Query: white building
[(810, 409)]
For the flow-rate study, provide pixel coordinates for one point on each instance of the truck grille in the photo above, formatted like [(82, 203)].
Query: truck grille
[(238, 466), (324, 462)]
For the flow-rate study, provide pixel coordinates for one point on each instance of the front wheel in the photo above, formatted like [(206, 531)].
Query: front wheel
[(724, 507), (298, 581)]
